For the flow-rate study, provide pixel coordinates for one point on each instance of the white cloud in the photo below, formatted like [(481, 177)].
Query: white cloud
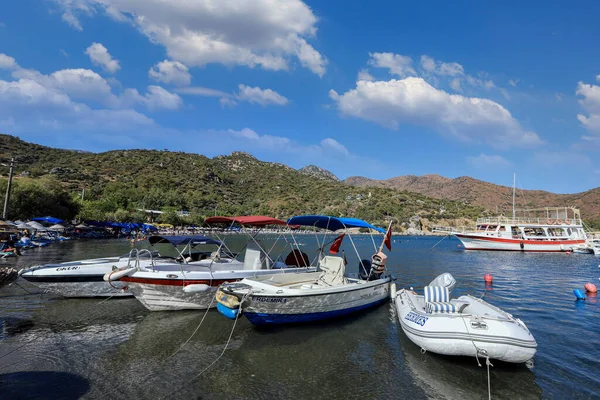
[(488, 160), (263, 33), (513, 82), (414, 101), (256, 95), (334, 145), (7, 62), (170, 72), (100, 56), (598, 78), (591, 104), (252, 95), (455, 84), (64, 101), (364, 75), (441, 68), (397, 64), (431, 70)]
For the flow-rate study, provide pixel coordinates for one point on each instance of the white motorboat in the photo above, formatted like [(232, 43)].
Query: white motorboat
[(466, 326), (84, 278), (305, 297), (192, 285)]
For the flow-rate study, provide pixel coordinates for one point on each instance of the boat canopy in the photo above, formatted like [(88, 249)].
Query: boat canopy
[(331, 223), (250, 220), (183, 240)]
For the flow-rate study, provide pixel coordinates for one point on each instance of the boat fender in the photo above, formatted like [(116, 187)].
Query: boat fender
[(230, 313), (118, 274), (393, 291), (522, 245), (378, 262), (590, 287), (227, 300), (488, 278), (196, 288), (579, 294)]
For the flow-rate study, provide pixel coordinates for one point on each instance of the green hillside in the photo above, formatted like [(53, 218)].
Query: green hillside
[(117, 183)]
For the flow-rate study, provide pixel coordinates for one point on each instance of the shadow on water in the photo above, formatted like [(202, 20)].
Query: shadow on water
[(42, 385), (11, 326)]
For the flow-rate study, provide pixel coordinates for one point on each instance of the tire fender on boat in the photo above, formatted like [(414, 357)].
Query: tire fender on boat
[(118, 274), (522, 245)]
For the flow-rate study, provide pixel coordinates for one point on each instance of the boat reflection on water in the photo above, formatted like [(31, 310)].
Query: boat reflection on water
[(454, 377)]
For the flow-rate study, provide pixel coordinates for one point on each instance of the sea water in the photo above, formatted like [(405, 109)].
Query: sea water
[(51, 347)]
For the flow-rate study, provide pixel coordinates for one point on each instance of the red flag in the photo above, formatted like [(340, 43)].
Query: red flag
[(337, 242), (388, 238)]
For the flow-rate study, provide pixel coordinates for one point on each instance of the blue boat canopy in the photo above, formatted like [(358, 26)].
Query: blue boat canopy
[(183, 240), (331, 223)]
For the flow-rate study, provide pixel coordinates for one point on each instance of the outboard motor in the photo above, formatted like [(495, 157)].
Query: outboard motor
[(366, 271)]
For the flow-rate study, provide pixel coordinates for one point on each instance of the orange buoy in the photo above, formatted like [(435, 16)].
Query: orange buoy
[(590, 287), (488, 278)]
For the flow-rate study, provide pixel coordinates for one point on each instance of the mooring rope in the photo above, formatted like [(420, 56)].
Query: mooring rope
[(196, 330)]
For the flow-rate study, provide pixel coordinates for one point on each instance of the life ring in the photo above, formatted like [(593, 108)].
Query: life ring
[(568, 221), (549, 221), (558, 222)]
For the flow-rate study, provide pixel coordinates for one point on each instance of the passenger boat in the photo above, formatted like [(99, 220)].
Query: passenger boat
[(550, 229), (466, 326), (192, 285), (306, 297)]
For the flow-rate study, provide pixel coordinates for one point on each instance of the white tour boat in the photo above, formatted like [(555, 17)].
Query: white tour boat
[(543, 229), (192, 285), (466, 326), (306, 297)]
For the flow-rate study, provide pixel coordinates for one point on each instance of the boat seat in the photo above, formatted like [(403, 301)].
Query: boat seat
[(439, 307), (436, 294)]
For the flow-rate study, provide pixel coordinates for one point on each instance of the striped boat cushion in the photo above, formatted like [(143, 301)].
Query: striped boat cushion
[(441, 308), (436, 293)]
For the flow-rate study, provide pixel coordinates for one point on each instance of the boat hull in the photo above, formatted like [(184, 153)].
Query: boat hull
[(159, 292), (294, 307), (78, 278), (449, 334), (476, 242)]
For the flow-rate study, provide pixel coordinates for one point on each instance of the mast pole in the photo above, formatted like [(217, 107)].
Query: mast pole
[(514, 186)]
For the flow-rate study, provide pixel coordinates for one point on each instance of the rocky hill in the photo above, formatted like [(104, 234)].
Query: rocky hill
[(494, 198), (318, 172), (116, 183)]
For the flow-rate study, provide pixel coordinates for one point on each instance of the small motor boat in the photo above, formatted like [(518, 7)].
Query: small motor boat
[(466, 326)]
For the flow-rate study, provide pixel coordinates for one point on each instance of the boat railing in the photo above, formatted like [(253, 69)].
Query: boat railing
[(135, 255), (528, 221)]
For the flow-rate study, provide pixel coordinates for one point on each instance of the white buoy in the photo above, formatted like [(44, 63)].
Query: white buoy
[(393, 291), (196, 288)]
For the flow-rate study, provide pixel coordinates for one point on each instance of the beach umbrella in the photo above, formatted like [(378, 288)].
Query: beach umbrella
[(23, 225), (82, 226), (36, 225), (6, 227), (57, 227)]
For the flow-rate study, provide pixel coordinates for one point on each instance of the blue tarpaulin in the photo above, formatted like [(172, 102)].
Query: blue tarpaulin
[(50, 220)]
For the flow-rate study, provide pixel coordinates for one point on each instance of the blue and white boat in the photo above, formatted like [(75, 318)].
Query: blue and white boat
[(311, 296)]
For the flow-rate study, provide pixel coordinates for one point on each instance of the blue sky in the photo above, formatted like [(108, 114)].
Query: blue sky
[(377, 88)]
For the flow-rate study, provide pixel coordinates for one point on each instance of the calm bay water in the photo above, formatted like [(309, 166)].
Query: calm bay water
[(89, 348)]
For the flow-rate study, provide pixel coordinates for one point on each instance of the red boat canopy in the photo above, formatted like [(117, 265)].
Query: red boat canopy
[(252, 220)]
